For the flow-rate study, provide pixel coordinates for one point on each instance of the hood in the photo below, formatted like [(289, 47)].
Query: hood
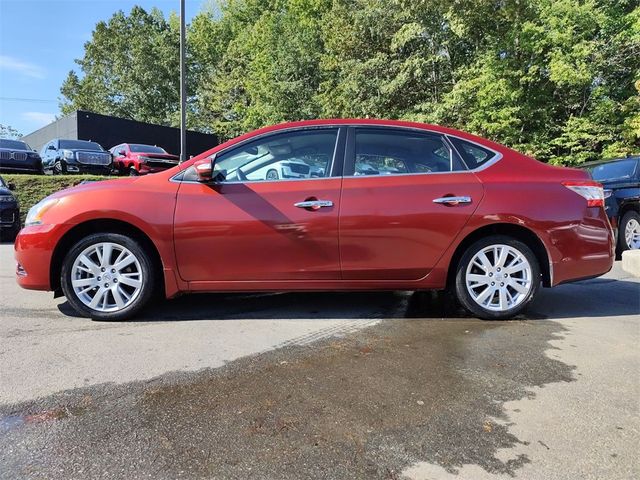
[(97, 185), (5, 149)]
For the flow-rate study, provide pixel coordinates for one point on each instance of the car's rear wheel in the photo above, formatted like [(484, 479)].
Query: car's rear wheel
[(629, 233), (497, 277), (108, 276)]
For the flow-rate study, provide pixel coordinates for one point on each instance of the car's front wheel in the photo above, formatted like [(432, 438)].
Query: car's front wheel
[(497, 277), (59, 168), (108, 276), (272, 175), (629, 233)]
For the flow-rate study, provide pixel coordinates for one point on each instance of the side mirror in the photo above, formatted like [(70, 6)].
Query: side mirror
[(204, 169), (51, 147), (11, 186), (121, 153)]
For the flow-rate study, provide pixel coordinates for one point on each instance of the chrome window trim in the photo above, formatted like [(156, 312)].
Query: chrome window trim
[(492, 161), (495, 159)]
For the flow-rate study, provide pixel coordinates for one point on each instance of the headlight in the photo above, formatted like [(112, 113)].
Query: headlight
[(68, 154), (34, 217), (7, 198), (33, 155)]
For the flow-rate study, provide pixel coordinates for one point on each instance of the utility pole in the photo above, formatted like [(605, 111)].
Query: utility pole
[(183, 86)]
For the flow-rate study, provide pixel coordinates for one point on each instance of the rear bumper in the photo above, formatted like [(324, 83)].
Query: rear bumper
[(584, 249), (34, 248)]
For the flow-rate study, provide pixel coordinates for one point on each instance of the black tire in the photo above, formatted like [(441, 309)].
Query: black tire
[(465, 298), (148, 269), (626, 218), (272, 175), (59, 168), (133, 172)]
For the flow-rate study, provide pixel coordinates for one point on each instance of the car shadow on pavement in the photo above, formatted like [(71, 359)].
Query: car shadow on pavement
[(590, 298)]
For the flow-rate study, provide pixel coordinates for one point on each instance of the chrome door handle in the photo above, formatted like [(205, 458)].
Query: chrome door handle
[(315, 204), (452, 201)]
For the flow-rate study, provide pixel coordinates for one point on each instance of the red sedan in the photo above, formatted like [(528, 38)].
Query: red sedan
[(383, 205)]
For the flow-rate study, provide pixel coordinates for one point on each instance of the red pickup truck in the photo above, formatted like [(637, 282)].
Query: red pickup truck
[(136, 159)]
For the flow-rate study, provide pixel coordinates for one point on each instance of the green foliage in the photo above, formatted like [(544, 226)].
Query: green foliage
[(30, 189), (7, 131), (556, 79), (129, 69)]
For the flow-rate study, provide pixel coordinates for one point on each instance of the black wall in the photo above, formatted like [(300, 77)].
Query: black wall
[(109, 131)]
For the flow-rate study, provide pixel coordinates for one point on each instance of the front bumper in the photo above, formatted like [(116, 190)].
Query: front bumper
[(144, 168), (76, 167), (9, 217), (34, 247), (27, 166)]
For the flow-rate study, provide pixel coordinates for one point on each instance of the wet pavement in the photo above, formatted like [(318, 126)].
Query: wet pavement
[(398, 385)]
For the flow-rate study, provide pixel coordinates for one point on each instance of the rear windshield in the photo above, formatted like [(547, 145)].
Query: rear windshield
[(13, 144), (139, 148), (80, 145), (619, 170), (473, 154)]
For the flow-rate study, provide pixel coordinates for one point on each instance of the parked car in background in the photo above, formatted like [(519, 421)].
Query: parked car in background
[(621, 179), (9, 212), (61, 156), (292, 168), (18, 157), (464, 213), (137, 159)]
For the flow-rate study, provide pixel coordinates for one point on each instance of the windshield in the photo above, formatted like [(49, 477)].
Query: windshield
[(80, 145), (13, 144), (139, 148), (615, 170)]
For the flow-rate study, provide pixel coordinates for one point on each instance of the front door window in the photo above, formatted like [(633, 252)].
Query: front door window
[(287, 156)]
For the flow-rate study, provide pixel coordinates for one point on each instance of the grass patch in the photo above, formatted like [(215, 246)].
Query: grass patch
[(30, 189)]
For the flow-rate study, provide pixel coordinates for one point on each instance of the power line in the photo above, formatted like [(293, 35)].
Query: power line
[(29, 100)]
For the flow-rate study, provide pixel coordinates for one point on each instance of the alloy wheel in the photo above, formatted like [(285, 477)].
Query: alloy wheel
[(106, 277), (632, 234), (498, 278)]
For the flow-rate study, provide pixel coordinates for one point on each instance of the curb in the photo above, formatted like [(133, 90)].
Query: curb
[(631, 262)]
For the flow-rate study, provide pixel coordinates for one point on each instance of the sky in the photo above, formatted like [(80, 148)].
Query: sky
[(39, 40)]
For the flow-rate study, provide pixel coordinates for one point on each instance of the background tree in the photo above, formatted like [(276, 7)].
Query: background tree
[(7, 131), (129, 69), (556, 79)]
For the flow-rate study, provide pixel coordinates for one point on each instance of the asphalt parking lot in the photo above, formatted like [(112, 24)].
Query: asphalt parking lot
[(326, 385)]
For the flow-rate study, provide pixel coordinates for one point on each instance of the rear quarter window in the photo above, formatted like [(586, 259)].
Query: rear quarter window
[(473, 154)]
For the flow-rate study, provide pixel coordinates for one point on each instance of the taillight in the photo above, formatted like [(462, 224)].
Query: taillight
[(593, 192)]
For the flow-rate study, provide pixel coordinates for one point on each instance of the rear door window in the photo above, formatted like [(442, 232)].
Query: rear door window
[(393, 152)]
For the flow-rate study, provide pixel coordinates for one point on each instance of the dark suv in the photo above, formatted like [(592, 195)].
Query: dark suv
[(9, 212), (76, 156), (17, 157), (621, 180)]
